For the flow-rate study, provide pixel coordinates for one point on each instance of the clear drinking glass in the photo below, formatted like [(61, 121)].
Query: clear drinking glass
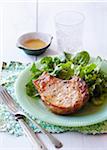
[(69, 30)]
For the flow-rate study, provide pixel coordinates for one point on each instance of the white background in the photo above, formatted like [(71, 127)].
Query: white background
[(20, 17)]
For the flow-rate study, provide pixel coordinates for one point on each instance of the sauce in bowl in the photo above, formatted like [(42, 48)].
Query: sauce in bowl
[(34, 44)]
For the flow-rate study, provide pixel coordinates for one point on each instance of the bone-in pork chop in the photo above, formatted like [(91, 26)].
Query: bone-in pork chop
[(62, 96)]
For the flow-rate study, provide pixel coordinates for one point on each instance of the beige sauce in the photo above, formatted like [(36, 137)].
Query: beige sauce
[(34, 43)]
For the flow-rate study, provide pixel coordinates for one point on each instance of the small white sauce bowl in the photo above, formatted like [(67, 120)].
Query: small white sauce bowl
[(47, 38)]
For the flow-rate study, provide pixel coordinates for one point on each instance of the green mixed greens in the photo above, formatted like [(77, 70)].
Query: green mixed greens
[(68, 65)]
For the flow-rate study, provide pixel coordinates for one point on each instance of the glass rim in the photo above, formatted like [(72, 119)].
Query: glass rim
[(77, 12)]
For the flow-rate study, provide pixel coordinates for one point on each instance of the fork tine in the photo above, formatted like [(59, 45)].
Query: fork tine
[(3, 99), (7, 98), (7, 101)]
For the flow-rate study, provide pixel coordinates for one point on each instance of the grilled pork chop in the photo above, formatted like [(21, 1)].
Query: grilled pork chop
[(62, 96)]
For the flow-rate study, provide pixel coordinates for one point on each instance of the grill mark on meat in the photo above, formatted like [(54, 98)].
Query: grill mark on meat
[(62, 96)]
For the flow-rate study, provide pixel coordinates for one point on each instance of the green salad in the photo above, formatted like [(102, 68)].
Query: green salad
[(68, 65)]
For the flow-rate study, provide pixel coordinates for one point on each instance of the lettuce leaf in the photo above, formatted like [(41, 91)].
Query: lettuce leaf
[(65, 66), (81, 58), (68, 56), (63, 71)]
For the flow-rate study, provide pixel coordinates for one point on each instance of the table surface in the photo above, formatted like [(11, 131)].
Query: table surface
[(20, 17)]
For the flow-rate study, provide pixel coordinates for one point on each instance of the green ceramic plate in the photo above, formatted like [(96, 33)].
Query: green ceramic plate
[(88, 115)]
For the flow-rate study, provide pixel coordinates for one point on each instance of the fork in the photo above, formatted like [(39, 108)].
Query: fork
[(8, 100)]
